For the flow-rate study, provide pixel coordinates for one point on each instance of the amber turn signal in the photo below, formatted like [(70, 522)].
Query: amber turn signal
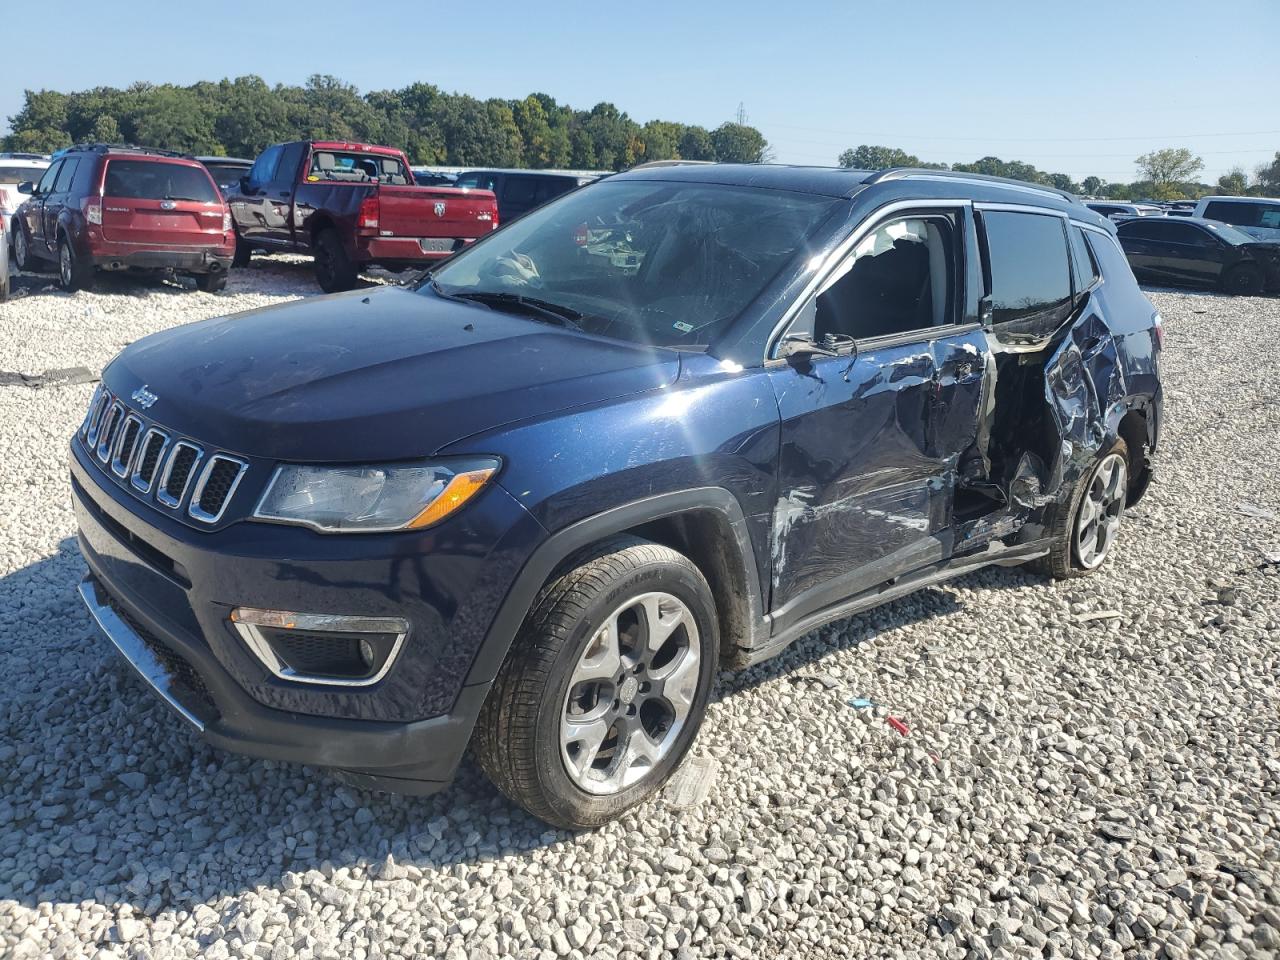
[(461, 488)]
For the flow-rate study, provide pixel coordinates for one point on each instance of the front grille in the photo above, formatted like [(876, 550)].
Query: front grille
[(144, 458)]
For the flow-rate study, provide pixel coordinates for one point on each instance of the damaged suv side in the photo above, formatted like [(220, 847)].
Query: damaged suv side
[(664, 425)]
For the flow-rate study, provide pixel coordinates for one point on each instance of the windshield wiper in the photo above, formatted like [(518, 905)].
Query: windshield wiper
[(558, 314)]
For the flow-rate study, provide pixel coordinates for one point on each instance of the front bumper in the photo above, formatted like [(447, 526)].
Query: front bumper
[(163, 594)]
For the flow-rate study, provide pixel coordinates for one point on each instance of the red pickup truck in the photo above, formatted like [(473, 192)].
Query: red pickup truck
[(351, 205)]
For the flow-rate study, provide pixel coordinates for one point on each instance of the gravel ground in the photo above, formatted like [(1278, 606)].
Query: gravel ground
[(1067, 785)]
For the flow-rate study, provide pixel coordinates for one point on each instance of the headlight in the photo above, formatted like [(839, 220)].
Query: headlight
[(374, 497)]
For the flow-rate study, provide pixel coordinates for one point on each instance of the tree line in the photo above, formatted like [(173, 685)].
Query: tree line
[(242, 116), (1167, 174)]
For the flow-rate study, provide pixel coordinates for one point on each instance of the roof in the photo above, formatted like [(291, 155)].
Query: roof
[(1243, 199), (25, 162), (239, 160), (351, 145), (546, 172), (833, 181)]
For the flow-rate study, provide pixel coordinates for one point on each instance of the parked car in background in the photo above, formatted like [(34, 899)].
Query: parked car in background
[(1118, 211), (16, 168), (1199, 252), (520, 191), (433, 178), (105, 207), (4, 261), (352, 205), (1257, 216), (1180, 208), (661, 427), (226, 171)]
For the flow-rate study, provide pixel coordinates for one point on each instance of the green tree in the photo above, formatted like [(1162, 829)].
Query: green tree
[(250, 117), (867, 157), (1269, 175), (1092, 185), (175, 119), (738, 143), (661, 140), (695, 144), (535, 131), (1168, 167), (41, 125), (1233, 183)]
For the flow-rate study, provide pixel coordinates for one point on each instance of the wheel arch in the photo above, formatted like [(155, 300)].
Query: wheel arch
[(1138, 433), (706, 524)]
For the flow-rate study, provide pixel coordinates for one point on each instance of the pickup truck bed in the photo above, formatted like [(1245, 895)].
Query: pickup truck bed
[(350, 206)]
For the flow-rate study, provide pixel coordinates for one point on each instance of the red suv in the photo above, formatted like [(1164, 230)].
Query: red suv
[(106, 207)]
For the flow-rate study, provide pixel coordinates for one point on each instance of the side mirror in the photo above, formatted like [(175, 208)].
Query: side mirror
[(27, 187)]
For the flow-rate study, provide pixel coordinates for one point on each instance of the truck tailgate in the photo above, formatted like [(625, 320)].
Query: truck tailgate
[(436, 212)]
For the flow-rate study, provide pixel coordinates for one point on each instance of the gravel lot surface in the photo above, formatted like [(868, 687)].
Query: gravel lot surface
[(1067, 786)]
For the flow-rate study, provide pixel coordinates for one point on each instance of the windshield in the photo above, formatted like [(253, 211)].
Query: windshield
[(226, 174), (1231, 234), (341, 167), (20, 174), (153, 180), (669, 264)]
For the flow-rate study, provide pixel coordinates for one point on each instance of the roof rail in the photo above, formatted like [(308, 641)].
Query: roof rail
[(909, 173), (130, 147)]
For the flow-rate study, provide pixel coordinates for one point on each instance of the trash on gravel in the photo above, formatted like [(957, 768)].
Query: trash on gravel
[(897, 725), (63, 377), (1253, 510), (861, 703), (1092, 615), (690, 784)]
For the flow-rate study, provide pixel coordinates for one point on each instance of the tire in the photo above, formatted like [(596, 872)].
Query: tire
[(4, 289), (1243, 280), (1067, 559), (73, 273), (243, 252), (211, 282), (334, 269), (22, 255), (575, 762)]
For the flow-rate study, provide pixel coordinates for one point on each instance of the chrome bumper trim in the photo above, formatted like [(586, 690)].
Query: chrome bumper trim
[(134, 650)]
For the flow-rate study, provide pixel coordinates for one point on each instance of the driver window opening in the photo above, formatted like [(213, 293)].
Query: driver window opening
[(899, 278)]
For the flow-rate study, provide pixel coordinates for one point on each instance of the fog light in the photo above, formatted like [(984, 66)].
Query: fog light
[(321, 648)]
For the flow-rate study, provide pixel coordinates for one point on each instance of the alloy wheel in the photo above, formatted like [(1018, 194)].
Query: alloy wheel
[(64, 265), (630, 694), (20, 253), (1098, 521)]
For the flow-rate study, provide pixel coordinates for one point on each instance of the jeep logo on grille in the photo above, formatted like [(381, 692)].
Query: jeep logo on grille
[(143, 397), (440, 209)]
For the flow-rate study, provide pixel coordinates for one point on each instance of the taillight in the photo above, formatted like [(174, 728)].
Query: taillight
[(367, 219), (93, 210), (1157, 327), (226, 221)]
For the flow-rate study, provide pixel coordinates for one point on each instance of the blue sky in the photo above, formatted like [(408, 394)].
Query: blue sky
[(1080, 87)]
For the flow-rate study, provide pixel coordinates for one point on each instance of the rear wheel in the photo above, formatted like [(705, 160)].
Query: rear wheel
[(211, 282), (73, 272), (334, 269), (1085, 529), (4, 289), (1243, 280), (605, 686)]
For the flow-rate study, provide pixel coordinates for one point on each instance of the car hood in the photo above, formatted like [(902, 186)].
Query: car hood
[(372, 375)]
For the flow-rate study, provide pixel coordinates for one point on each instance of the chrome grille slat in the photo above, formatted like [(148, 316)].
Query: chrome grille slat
[(107, 430), (142, 479), (126, 444), (164, 495), (212, 511), (167, 472)]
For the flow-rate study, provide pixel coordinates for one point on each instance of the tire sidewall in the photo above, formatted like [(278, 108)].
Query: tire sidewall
[(568, 799), (20, 242), (1244, 281)]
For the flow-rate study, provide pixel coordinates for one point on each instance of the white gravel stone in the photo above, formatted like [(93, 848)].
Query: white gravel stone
[(1069, 786)]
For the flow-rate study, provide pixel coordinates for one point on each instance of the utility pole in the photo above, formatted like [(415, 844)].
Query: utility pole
[(742, 114)]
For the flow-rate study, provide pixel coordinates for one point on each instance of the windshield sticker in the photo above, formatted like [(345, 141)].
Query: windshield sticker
[(683, 327)]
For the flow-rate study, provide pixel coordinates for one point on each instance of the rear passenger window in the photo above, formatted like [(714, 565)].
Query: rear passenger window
[(899, 278), (65, 174), (1086, 271), (264, 168), (1233, 212), (1029, 274), (520, 189)]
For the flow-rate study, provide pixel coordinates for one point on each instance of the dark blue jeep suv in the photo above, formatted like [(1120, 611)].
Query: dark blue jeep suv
[(664, 425)]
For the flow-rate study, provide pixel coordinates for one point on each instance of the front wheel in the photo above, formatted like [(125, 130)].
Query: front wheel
[(605, 686), (1243, 280), (22, 249), (334, 269), (243, 253), (1085, 528)]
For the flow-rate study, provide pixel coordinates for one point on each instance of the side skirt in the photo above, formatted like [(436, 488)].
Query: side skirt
[(995, 554)]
